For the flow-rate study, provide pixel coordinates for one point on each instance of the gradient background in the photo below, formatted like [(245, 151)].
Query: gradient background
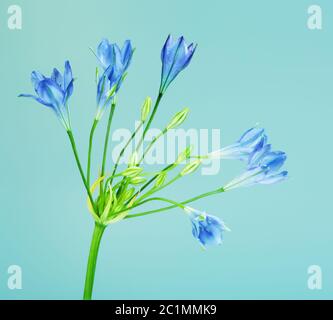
[(256, 62)]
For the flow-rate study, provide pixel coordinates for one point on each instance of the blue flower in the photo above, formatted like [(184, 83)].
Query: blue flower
[(114, 62), (251, 140), (54, 92), (206, 228), (263, 168), (176, 56)]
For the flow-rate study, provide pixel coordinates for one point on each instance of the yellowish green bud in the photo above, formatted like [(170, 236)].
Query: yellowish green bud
[(160, 179), (145, 110), (184, 154), (191, 167), (138, 180), (132, 172), (178, 119)]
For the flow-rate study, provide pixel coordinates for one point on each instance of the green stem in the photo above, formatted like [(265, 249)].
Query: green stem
[(107, 135), (76, 155), (92, 131), (92, 260), (151, 118), (154, 190), (174, 203), (152, 143), (204, 195), (124, 149)]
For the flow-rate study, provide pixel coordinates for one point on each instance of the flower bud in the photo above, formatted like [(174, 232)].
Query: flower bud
[(178, 119), (185, 154), (191, 167), (138, 180), (132, 172), (145, 110), (160, 179)]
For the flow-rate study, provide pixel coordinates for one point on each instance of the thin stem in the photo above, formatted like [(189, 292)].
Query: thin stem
[(107, 135), (92, 131), (76, 155), (151, 118), (177, 204), (152, 143), (124, 149), (204, 195), (154, 190), (92, 260)]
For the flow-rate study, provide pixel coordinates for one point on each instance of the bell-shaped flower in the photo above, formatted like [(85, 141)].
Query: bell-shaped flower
[(54, 92), (207, 229), (251, 140), (176, 56), (263, 168), (115, 62)]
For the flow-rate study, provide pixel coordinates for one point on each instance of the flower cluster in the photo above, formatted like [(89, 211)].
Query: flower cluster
[(122, 191)]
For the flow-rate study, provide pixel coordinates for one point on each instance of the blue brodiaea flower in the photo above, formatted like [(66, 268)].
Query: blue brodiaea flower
[(251, 140), (54, 92), (176, 56), (206, 228), (263, 168), (115, 62)]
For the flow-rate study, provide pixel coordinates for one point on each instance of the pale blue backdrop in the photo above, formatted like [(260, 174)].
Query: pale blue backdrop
[(256, 62)]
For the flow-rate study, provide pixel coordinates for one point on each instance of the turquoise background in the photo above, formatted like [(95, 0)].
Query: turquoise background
[(256, 62)]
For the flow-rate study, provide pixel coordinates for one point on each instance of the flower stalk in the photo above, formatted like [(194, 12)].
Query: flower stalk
[(92, 261)]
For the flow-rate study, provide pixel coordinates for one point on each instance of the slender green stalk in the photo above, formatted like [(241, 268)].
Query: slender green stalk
[(92, 260), (151, 118), (152, 143), (174, 203), (154, 190), (124, 149), (76, 155), (203, 195), (92, 131), (107, 135)]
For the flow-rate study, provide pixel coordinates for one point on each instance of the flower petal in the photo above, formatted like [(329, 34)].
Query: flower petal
[(275, 178), (36, 78), (39, 100), (68, 79)]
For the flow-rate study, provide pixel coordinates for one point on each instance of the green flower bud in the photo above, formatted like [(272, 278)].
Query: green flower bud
[(160, 179), (126, 195), (184, 155), (191, 167), (145, 110), (129, 193), (178, 119), (132, 172), (138, 180)]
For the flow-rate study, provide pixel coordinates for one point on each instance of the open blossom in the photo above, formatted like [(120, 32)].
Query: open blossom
[(114, 62), (244, 147), (54, 92), (207, 229), (176, 56), (263, 168)]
